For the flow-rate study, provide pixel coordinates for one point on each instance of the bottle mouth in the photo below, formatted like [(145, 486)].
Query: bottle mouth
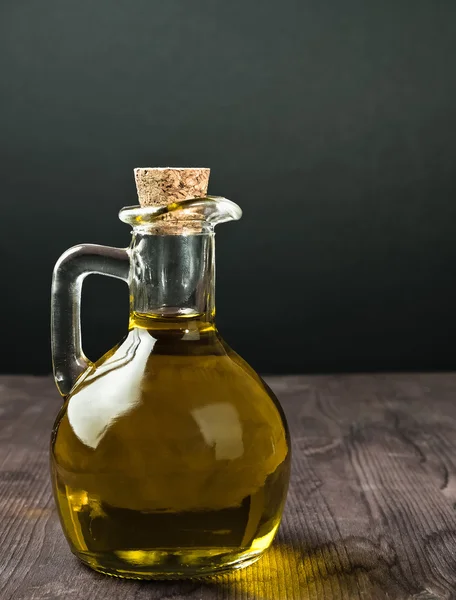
[(201, 214)]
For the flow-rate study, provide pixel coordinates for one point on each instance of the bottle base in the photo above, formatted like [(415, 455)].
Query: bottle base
[(165, 564)]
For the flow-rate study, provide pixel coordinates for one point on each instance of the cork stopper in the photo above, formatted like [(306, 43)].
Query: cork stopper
[(162, 186)]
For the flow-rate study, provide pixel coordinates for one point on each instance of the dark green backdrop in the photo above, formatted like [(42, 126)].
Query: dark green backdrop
[(331, 123)]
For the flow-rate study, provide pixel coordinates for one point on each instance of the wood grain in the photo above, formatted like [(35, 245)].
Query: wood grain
[(370, 515)]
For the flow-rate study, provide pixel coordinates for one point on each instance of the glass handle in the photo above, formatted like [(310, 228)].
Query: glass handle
[(70, 271)]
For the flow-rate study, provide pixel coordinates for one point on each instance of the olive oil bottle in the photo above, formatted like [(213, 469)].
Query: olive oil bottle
[(170, 456)]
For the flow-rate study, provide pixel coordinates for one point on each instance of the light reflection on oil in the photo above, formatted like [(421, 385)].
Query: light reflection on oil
[(114, 390)]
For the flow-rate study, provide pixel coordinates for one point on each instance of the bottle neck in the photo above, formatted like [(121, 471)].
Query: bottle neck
[(172, 278)]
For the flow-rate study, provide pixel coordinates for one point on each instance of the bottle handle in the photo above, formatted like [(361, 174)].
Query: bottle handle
[(70, 271)]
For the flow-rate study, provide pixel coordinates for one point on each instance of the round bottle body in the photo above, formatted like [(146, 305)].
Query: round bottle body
[(170, 457)]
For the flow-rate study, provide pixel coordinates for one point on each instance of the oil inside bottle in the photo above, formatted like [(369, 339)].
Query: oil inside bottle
[(170, 457)]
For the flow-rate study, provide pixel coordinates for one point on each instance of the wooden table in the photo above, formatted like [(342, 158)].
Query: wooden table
[(370, 513)]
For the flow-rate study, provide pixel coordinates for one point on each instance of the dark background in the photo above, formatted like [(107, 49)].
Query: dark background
[(332, 123)]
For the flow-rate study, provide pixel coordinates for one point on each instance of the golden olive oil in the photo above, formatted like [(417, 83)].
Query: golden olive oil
[(170, 457)]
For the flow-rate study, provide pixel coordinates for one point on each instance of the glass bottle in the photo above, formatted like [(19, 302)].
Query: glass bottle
[(170, 456)]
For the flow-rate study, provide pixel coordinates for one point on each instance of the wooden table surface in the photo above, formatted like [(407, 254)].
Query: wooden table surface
[(370, 513)]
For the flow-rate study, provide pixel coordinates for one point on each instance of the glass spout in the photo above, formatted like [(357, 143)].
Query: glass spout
[(208, 212)]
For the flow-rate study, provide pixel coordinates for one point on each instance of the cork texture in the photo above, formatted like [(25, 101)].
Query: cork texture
[(162, 186)]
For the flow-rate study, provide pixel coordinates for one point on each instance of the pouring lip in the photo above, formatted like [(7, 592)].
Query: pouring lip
[(210, 209)]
